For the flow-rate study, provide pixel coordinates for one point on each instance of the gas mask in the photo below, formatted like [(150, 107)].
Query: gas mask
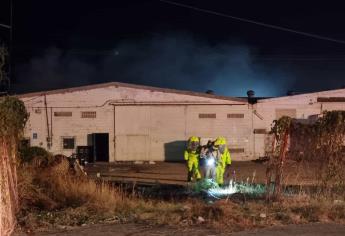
[(221, 149), (193, 146)]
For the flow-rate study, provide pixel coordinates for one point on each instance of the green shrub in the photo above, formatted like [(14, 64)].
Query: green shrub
[(28, 154)]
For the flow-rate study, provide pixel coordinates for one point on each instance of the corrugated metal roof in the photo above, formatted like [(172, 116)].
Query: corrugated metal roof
[(134, 86)]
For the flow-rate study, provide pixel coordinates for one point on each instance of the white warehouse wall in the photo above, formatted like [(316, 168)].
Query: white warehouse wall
[(150, 123), (146, 123)]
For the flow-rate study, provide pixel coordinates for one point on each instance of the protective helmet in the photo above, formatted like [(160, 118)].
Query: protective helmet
[(220, 141), (193, 143), (194, 139), (220, 144)]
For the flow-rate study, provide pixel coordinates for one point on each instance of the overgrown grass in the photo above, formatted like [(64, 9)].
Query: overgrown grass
[(52, 197)]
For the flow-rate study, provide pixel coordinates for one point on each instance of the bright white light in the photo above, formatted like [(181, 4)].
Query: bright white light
[(226, 191), (219, 192), (235, 187), (210, 162)]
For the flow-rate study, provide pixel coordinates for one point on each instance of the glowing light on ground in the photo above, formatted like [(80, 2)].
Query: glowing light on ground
[(234, 187), (225, 191)]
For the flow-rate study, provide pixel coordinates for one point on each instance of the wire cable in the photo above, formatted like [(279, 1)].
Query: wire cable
[(5, 26), (254, 22)]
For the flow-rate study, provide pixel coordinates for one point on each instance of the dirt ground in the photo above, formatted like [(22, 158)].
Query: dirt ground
[(316, 229), (176, 173)]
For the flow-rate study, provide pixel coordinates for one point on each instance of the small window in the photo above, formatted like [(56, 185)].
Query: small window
[(88, 114), (260, 131), (207, 115), (235, 115), (68, 142), (331, 99), (236, 150), (63, 113)]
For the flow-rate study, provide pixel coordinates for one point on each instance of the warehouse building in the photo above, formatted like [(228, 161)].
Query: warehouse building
[(125, 122), (305, 108)]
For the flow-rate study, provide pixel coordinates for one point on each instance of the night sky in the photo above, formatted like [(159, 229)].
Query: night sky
[(62, 43)]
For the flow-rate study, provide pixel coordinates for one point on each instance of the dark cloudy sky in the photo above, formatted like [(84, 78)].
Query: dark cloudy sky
[(69, 43)]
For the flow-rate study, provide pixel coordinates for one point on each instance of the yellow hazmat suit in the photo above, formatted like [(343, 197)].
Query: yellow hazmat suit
[(192, 155), (223, 159)]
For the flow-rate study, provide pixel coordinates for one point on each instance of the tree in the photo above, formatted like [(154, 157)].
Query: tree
[(281, 131), (13, 117), (4, 81)]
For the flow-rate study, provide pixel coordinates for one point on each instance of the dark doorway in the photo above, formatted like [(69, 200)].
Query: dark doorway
[(100, 146), (174, 151)]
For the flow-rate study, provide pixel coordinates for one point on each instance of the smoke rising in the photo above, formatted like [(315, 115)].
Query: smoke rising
[(170, 61)]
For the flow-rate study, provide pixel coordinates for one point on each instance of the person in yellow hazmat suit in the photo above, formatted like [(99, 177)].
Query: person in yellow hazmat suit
[(192, 155), (223, 159)]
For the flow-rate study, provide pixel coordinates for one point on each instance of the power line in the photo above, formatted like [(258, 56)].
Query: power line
[(254, 22), (5, 26)]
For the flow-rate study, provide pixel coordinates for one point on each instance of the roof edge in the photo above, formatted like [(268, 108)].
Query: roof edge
[(126, 85), (299, 95)]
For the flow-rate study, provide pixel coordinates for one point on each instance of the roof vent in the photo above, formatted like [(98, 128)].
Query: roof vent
[(250, 93), (210, 91), (290, 93)]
